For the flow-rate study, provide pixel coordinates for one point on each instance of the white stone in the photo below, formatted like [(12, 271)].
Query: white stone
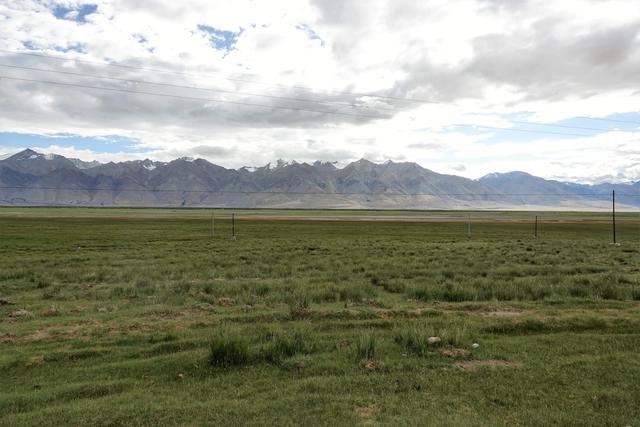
[(433, 340)]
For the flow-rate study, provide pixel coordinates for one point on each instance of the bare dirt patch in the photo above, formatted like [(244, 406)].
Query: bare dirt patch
[(225, 302), (454, 352), (472, 365), (485, 310), (367, 412), (163, 314), (372, 365), (368, 302), (503, 313), (20, 313), (50, 312), (36, 336)]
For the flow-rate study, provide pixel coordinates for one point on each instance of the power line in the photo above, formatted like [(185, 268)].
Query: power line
[(181, 73), (404, 99), (520, 130), (522, 122), (232, 92), (314, 193), (316, 101), (306, 100), (609, 120), (194, 98), (277, 107)]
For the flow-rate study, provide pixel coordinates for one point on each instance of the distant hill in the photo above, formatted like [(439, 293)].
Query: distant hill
[(32, 178)]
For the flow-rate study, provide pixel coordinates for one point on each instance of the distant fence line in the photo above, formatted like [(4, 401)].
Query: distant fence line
[(606, 195)]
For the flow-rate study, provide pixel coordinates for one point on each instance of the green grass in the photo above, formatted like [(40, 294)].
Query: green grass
[(144, 319)]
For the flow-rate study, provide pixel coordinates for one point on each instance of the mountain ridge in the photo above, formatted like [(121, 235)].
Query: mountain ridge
[(32, 178)]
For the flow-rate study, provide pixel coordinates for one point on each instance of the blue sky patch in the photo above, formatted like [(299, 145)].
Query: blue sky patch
[(576, 127), (99, 144), (77, 14), (220, 39), (142, 40), (311, 34), (29, 45), (75, 47)]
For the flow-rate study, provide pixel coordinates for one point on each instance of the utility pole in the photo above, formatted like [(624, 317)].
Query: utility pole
[(469, 227), (233, 225), (614, 216), (535, 232)]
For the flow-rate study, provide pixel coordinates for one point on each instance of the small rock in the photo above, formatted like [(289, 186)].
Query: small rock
[(6, 302), (475, 345), (20, 313), (434, 340), (103, 310), (180, 377)]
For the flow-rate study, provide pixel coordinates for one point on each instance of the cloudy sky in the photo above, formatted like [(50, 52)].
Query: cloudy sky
[(459, 86)]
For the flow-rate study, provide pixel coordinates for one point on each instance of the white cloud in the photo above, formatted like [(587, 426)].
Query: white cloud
[(480, 59)]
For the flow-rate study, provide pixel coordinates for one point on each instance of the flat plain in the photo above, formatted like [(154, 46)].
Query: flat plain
[(142, 317)]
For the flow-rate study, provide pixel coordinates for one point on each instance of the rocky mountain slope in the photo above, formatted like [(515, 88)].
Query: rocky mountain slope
[(31, 178)]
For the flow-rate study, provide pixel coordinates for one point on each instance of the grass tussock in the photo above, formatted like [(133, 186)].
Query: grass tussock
[(229, 348), (280, 345), (365, 347)]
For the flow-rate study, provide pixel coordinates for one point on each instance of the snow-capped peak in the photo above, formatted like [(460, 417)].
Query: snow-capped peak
[(280, 164)]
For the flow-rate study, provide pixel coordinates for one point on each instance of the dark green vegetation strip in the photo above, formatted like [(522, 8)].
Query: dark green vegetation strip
[(153, 322)]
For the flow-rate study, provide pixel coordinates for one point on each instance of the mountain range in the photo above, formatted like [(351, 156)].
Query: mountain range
[(31, 178)]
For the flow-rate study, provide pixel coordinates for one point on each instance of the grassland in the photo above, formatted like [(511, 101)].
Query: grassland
[(145, 319)]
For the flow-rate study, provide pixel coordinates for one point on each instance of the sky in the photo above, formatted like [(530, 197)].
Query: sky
[(465, 87)]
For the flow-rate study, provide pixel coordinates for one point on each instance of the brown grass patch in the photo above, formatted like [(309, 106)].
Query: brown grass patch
[(472, 365)]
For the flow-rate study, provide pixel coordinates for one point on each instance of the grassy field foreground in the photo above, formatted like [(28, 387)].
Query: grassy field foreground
[(153, 322)]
